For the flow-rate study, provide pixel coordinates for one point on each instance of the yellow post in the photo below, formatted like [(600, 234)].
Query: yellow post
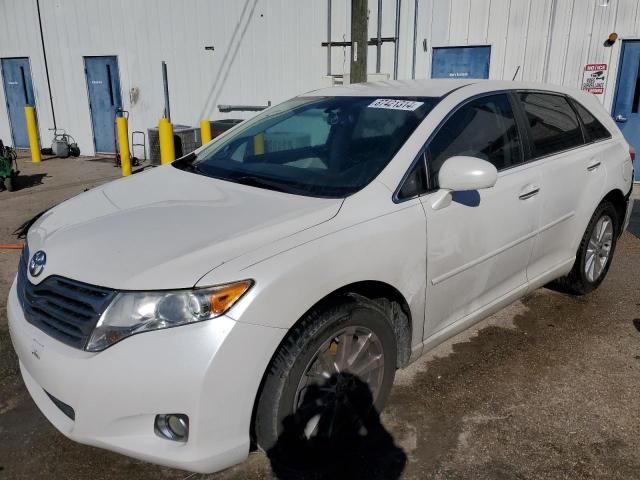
[(258, 144), (123, 141), (167, 148), (32, 132), (205, 131)]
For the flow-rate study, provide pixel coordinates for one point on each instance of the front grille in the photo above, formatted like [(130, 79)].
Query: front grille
[(64, 309)]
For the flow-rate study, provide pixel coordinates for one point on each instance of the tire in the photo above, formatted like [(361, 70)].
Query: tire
[(9, 184), (579, 281), (298, 352)]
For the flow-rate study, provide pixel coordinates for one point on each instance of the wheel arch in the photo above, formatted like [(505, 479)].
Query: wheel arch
[(385, 295), (619, 201)]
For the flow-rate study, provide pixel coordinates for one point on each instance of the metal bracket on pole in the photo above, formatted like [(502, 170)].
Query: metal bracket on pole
[(377, 41)]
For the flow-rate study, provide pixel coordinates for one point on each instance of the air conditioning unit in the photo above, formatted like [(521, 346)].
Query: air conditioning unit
[(185, 139)]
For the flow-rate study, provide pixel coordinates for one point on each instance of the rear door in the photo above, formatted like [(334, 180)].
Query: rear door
[(18, 90), (479, 246), (572, 178), (103, 86)]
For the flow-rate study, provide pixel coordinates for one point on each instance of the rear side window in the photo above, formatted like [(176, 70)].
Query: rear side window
[(484, 128), (553, 124), (594, 129)]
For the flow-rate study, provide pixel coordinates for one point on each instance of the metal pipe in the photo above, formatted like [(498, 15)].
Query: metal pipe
[(547, 53), (46, 66), (396, 52), (165, 81), (379, 38), (415, 39), (243, 108), (328, 37)]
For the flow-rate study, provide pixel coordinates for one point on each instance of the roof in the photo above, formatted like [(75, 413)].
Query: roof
[(394, 88), (425, 88)]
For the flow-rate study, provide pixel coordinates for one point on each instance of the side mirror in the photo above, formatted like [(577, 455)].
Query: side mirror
[(459, 174)]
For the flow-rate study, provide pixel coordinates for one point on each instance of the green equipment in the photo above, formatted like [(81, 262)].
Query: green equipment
[(8, 168)]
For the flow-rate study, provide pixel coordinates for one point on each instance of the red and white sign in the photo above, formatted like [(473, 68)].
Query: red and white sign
[(594, 78)]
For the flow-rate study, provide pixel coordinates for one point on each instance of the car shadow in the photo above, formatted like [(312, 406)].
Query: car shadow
[(349, 441), (468, 198)]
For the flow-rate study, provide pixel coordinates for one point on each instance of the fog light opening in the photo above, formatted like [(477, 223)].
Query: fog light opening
[(172, 426)]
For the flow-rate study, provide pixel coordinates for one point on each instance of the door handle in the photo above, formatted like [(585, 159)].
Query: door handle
[(620, 118), (594, 165), (529, 192)]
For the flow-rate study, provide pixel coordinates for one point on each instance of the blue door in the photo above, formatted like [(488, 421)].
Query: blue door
[(18, 90), (460, 62), (626, 109), (103, 85)]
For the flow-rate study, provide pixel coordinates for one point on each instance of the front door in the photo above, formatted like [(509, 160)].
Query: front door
[(18, 91), (478, 247), (626, 110), (103, 86)]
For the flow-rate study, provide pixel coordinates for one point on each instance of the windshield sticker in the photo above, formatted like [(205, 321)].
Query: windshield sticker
[(396, 104)]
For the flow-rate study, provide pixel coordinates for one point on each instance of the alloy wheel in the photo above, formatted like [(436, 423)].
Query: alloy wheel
[(599, 248)]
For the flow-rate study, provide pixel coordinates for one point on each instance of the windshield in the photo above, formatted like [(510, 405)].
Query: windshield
[(318, 146)]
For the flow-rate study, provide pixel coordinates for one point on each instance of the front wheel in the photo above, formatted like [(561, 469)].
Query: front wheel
[(331, 372), (595, 252)]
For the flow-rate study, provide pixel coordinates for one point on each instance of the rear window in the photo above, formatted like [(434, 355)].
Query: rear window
[(553, 124), (594, 129)]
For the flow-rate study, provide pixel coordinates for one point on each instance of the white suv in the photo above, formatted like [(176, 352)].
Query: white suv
[(180, 315)]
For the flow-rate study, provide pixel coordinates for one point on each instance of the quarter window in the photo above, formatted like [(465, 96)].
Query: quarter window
[(594, 129), (416, 181), (553, 124), (484, 128)]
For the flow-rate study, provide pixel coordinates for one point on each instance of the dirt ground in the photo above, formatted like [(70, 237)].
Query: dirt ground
[(547, 388)]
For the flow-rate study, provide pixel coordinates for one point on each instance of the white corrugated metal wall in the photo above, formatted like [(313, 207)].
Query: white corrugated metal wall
[(270, 49)]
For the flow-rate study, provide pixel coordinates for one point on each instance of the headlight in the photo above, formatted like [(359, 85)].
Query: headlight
[(135, 312)]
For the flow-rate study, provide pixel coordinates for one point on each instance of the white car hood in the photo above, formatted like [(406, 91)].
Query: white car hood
[(166, 228)]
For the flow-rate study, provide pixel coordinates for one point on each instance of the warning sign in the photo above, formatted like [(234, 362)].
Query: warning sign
[(594, 78)]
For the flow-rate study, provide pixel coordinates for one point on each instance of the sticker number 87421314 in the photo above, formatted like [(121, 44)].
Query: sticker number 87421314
[(396, 104)]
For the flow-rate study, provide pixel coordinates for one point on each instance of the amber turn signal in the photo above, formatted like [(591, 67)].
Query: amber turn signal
[(222, 298)]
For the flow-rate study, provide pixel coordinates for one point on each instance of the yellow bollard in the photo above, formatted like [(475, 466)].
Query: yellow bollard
[(32, 132), (167, 148), (258, 144), (123, 141), (205, 131)]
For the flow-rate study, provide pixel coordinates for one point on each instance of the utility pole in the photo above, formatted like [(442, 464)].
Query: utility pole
[(359, 41)]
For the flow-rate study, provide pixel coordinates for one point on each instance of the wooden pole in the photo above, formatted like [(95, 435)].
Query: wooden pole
[(359, 41)]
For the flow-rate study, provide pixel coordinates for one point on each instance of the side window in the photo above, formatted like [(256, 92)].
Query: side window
[(594, 129), (553, 124), (483, 128), (416, 181)]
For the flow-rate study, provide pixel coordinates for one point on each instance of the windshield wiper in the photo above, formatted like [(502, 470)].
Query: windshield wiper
[(187, 163), (259, 182)]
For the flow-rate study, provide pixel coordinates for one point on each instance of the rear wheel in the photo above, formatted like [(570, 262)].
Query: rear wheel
[(334, 368), (595, 252)]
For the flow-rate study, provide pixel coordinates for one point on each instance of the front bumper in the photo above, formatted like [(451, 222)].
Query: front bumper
[(209, 371)]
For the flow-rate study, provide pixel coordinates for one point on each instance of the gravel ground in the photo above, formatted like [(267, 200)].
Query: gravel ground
[(547, 388)]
